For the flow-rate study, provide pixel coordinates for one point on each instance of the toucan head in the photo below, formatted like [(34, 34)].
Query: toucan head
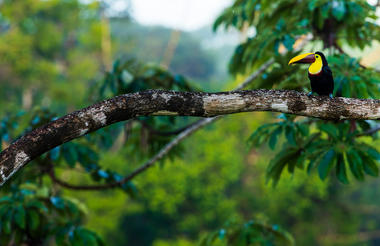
[(317, 61)]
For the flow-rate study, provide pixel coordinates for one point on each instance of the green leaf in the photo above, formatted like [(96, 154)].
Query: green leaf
[(278, 163), (58, 202), (290, 135), (61, 237), (303, 128), (301, 161), (292, 164), (260, 135), (330, 129), (341, 169), (37, 204), (3, 210), (339, 9), (369, 165), (54, 153), (130, 188), (7, 221), (312, 4), (355, 163), (33, 219), (86, 237), (5, 199), (311, 164), (274, 137), (70, 154), (370, 151), (19, 216), (326, 164)]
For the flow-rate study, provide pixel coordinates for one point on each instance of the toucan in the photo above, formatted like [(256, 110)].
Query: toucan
[(320, 75)]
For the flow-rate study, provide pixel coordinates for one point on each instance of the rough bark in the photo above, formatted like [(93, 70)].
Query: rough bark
[(183, 134), (156, 102)]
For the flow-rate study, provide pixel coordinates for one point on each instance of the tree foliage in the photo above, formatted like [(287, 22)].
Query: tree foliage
[(310, 144), (41, 33), (53, 56)]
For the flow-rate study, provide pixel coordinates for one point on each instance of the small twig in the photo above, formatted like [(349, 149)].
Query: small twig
[(366, 67), (199, 124), (255, 74), (56, 180), (370, 131), (148, 164), (341, 51)]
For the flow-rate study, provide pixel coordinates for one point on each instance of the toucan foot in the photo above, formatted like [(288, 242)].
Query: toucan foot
[(331, 95), (310, 93)]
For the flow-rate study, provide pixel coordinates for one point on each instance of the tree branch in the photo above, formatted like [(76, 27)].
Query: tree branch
[(158, 102), (67, 185), (187, 131), (184, 133)]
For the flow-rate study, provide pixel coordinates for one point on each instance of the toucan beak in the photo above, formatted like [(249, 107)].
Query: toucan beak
[(304, 58)]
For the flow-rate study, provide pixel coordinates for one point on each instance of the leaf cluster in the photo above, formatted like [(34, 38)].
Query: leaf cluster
[(277, 25), (318, 145), (31, 214)]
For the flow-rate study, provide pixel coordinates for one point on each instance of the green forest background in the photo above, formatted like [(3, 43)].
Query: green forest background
[(60, 56)]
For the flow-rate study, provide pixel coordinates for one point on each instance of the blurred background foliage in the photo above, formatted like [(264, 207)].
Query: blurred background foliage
[(60, 55)]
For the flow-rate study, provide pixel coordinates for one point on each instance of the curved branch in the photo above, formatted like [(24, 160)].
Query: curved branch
[(370, 131), (158, 102), (197, 125), (186, 132), (67, 185)]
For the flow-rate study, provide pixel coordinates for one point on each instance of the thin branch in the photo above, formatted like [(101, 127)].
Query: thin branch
[(254, 75), (372, 68), (168, 147), (67, 185), (370, 131), (186, 133)]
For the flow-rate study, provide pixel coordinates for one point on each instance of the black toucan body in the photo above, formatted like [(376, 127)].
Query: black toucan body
[(320, 75)]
